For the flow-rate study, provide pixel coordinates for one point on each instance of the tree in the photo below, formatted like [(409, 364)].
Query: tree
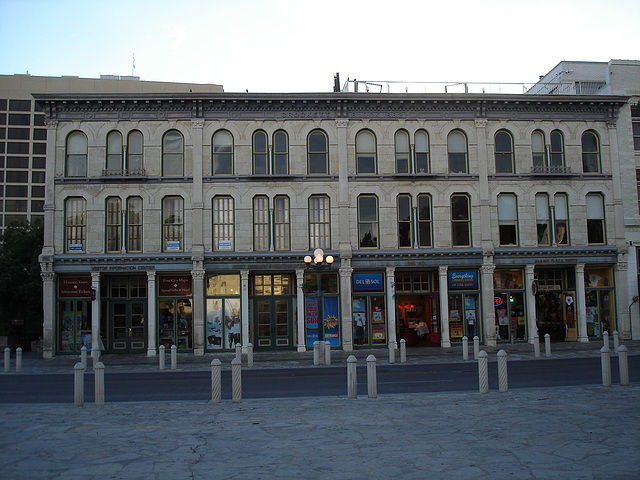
[(20, 281)]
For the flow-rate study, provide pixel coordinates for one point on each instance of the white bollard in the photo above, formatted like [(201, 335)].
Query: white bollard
[(392, 352), (236, 379), (316, 353), (95, 356), (605, 339), (605, 361), (239, 352), (403, 351), (547, 345), (352, 377), (465, 348), (98, 368), (18, 360), (83, 356), (623, 365), (161, 358), (216, 381), (327, 353), (503, 376), (476, 347), (372, 381), (616, 341), (174, 357), (536, 345), (7, 360), (78, 385), (250, 355), (483, 372)]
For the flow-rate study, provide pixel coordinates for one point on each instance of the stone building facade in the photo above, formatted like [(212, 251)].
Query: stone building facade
[(184, 219)]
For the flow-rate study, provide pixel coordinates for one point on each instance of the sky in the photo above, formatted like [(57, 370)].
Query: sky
[(298, 45)]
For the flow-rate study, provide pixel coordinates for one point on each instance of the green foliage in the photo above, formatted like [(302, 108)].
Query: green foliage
[(20, 281)]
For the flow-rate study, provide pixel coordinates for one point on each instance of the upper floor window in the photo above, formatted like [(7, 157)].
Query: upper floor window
[(134, 224), (403, 153), (280, 153), (319, 222), (114, 225), (114, 152), (561, 219), (317, 153), (507, 219), (590, 152), (460, 220), (542, 219), (595, 219), (423, 163), (557, 149), (281, 224), (538, 149), (223, 223), (172, 154), (134, 152), (76, 165), (365, 152), (557, 215), (260, 223), (368, 221), (404, 221), (223, 153), (457, 151), (425, 223), (260, 153), (636, 135), (75, 221), (503, 144), (172, 224)]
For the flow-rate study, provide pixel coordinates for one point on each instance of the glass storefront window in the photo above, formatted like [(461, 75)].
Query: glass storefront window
[(223, 322), (463, 316), (75, 325), (176, 323), (599, 301), (369, 320)]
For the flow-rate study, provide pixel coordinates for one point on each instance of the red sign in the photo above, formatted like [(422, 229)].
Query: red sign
[(174, 286), (74, 287)]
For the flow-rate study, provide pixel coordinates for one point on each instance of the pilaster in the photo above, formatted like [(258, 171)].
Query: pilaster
[(445, 339)]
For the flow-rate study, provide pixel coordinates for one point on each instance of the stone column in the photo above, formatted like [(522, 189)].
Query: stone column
[(95, 316), (244, 308), (152, 320), (623, 324), (346, 306), (532, 325), (302, 344), (488, 309), (49, 309), (199, 310), (445, 340), (391, 306), (581, 304)]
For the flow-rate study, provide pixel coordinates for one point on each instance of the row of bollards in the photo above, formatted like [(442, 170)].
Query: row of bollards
[(483, 372), (465, 347), (321, 353), (78, 384), (7, 360), (623, 365), (236, 380)]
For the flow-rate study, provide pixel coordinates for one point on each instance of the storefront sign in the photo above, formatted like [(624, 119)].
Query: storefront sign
[(174, 286), (368, 282), (74, 287), (497, 301), (463, 280)]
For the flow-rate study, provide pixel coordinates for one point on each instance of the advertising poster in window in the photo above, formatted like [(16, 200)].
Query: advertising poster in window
[(331, 323), (232, 322), (311, 319), (214, 323)]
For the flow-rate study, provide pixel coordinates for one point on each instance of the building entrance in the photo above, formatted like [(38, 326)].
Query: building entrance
[(274, 326), (418, 320), (128, 326)]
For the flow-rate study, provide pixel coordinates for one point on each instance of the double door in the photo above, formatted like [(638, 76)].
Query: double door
[(128, 326), (274, 321)]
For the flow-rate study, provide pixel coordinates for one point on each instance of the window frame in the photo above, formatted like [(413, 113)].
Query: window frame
[(75, 232), (223, 222), (556, 150), (508, 227), (134, 224), (76, 162), (138, 156), (418, 154), (113, 224), (281, 223), (227, 153), (311, 154), (539, 158), (319, 221), (115, 159), (255, 153), (502, 157), (452, 156), (404, 222), (280, 156), (595, 223), (425, 222), (261, 223), (402, 155), (366, 160), (173, 159), (370, 225), (456, 223), (557, 220), (173, 231), (589, 157), (543, 219)]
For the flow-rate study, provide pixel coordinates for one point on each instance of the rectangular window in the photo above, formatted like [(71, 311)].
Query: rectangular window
[(561, 221), (507, 219), (260, 223), (424, 221), (404, 221), (595, 219), (223, 224), (319, 222), (460, 221), (114, 225), (75, 224), (172, 224), (368, 221), (281, 223), (636, 135), (134, 224), (542, 219)]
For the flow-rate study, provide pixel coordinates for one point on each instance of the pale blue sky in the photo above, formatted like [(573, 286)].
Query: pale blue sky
[(298, 45)]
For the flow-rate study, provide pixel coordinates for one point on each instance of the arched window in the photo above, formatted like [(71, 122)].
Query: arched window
[(507, 219), (423, 163), (457, 151), (503, 144), (260, 153), (590, 152), (317, 153), (76, 165), (368, 221), (172, 154), (365, 152), (402, 151), (114, 153), (460, 220), (557, 151), (280, 153), (223, 153), (538, 151), (134, 153)]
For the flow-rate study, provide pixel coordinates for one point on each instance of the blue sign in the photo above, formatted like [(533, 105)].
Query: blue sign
[(463, 280), (368, 282)]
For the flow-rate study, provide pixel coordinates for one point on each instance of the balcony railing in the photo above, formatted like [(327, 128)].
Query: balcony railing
[(551, 169), (137, 172)]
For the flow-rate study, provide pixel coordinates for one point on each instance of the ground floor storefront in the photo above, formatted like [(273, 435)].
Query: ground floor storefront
[(137, 310)]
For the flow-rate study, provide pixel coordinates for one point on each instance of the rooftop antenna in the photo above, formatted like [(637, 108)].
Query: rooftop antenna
[(133, 65)]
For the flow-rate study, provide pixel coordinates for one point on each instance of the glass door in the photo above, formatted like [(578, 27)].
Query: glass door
[(128, 329), (274, 323)]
